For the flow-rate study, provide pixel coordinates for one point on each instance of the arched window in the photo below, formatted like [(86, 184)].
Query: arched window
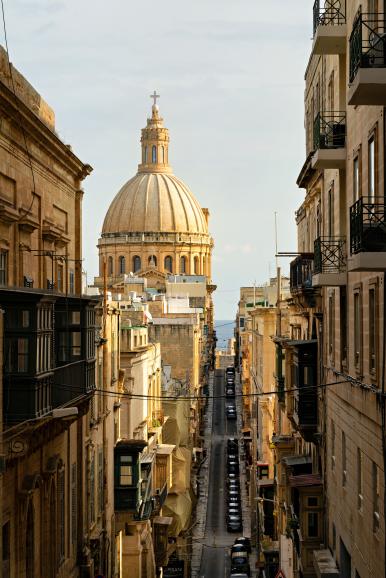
[(168, 264), (154, 154), (30, 543), (153, 261), (110, 266), (183, 265), (136, 264), (163, 154), (145, 155), (203, 266), (122, 265), (196, 267)]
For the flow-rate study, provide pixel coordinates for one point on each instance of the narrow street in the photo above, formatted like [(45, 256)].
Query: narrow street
[(215, 561)]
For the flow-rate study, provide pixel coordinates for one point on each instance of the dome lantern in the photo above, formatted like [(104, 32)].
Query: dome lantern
[(155, 143)]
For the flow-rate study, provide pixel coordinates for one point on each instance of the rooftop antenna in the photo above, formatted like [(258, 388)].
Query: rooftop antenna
[(277, 264)]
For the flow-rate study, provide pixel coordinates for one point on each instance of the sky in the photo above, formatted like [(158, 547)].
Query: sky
[(231, 78)]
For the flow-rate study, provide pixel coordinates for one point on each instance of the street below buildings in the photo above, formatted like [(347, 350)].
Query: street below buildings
[(215, 561)]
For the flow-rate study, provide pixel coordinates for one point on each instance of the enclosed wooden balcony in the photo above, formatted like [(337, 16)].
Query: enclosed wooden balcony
[(330, 262), (305, 415), (368, 235), (329, 141), (330, 29), (367, 82)]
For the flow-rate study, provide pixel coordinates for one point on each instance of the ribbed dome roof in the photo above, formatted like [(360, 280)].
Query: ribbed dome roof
[(155, 202)]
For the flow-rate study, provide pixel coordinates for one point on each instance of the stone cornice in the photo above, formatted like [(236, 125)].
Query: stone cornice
[(155, 238), (41, 133)]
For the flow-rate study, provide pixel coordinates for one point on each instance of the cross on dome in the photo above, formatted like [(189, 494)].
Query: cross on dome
[(154, 97)]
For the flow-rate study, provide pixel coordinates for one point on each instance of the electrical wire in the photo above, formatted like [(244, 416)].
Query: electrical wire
[(20, 123)]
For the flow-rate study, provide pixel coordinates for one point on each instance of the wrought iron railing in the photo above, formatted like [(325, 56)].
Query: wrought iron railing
[(301, 272), (72, 381), (367, 43), (330, 130), (368, 225), (329, 255), (333, 13)]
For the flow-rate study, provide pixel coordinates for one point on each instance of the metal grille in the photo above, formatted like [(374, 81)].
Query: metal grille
[(330, 130), (367, 43), (332, 13), (368, 225)]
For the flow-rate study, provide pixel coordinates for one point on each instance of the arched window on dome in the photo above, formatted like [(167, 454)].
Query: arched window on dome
[(153, 261), (153, 154), (204, 266), (110, 266), (136, 263), (145, 154), (196, 266), (162, 154), (168, 264), (183, 265), (122, 265)]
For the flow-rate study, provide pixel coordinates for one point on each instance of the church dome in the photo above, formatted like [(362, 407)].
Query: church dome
[(155, 201)]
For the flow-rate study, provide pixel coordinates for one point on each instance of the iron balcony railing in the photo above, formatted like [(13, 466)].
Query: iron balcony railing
[(333, 12), (329, 255), (368, 225), (301, 272), (367, 43), (330, 130)]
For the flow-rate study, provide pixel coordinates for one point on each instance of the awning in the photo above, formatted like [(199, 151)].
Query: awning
[(246, 429), (305, 480), (147, 458), (165, 449), (296, 460), (163, 520)]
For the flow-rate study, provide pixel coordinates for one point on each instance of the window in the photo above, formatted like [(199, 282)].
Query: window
[(372, 330), (344, 459), (74, 506), (359, 479), (331, 93), (330, 216), (145, 154), (18, 355), (203, 266), (356, 179), (6, 550), (92, 490), (110, 267), (60, 278), (196, 266), (153, 261), (75, 343), (357, 330), (126, 471), (100, 481), (61, 516), (136, 263), (3, 268), (72, 282), (333, 459), (122, 265), (372, 169), (168, 264), (154, 154), (331, 325), (343, 325), (313, 524), (30, 543), (183, 265), (376, 492)]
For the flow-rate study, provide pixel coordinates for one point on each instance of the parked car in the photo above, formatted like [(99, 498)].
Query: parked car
[(237, 574), (231, 413), (234, 523), (233, 484), (230, 370), (233, 512), (230, 392), (241, 565), (233, 443), (238, 548), (246, 542)]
